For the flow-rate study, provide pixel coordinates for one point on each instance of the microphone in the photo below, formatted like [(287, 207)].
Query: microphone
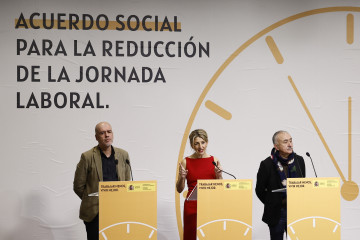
[(128, 162), (223, 170), (308, 154)]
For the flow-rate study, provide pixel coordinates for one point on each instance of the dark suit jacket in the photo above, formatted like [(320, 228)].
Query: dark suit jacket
[(89, 173), (268, 179)]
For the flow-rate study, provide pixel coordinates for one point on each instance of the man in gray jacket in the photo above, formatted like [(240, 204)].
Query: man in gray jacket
[(101, 163)]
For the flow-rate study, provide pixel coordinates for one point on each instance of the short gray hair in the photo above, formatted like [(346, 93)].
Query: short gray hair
[(275, 136)]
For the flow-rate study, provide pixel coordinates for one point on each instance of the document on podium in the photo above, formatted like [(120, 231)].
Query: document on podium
[(279, 190), (193, 195), (95, 194)]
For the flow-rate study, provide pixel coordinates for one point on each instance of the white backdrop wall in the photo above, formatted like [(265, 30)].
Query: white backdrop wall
[(241, 74)]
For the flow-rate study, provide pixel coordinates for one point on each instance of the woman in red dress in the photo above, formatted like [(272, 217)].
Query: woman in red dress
[(197, 166)]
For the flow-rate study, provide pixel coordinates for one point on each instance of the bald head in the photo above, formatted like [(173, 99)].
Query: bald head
[(104, 135), (100, 125)]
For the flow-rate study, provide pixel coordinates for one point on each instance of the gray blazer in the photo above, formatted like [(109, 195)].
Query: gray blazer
[(89, 173)]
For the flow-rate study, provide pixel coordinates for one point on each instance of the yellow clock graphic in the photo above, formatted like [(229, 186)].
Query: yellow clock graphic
[(227, 228), (300, 73), (128, 230), (305, 228)]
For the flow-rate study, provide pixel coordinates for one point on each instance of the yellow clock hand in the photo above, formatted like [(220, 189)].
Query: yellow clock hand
[(349, 190), (316, 128), (349, 137)]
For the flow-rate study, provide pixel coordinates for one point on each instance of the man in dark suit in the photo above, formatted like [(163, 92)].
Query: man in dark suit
[(101, 163), (272, 174)]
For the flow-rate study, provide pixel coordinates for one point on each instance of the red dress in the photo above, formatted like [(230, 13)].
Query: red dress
[(198, 168)]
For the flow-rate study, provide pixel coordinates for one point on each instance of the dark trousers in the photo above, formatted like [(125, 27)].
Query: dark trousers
[(277, 231), (92, 228)]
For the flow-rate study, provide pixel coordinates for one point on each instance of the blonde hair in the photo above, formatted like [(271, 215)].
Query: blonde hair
[(201, 133)]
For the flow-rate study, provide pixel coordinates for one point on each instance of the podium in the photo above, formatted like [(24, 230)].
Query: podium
[(224, 209), (313, 208), (128, 210)]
